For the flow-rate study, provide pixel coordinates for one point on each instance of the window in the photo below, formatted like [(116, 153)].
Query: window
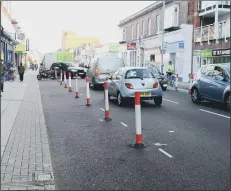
[(114, 75), (119, 75), (137, 31), (208, 71), (157, 23), (143, 28), (132, 35), (139, 73), (218, 71), (176, 16), (149, 27), (109, 64), (124, 35)]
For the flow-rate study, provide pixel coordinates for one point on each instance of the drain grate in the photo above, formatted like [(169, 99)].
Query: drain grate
[(42, 179)]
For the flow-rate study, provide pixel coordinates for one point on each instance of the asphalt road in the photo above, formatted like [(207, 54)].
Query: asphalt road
[(188, 145)]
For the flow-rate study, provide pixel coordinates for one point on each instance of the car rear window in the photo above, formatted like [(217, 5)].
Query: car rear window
[(110, 64), (155, 70), (139, 73)]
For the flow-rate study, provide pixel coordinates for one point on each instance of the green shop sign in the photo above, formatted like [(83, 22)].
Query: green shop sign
[(206, 53)]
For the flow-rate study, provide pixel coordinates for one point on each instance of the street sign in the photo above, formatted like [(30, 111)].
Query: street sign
[(181, 45)]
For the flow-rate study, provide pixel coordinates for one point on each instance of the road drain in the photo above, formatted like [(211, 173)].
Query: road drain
[(42, 179)]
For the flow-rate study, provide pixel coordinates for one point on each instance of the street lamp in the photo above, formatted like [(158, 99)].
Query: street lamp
[(162, 40)]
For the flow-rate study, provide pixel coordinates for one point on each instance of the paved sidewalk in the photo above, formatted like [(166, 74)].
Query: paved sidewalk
[(182, 87), (26, 163)]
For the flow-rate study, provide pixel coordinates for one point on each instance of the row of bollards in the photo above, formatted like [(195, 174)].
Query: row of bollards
[(139, 143)]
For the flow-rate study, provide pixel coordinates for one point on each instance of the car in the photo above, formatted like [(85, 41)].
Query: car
[(212, 83), (69, 67), (101, 68), (160, 76), (127, 80)]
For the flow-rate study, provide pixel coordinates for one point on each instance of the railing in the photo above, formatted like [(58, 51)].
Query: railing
[(207, 33)]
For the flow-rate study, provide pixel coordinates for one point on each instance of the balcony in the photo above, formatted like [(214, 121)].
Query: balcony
[(208, 8), (207, 33)]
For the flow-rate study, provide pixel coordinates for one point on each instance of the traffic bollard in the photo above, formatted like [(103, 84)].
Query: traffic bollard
[(138, 143), (61, 77), (88, 92), (65, 80), (56, 76), (176, 83), (69, 76), (107, 111), (76, 86), (190, 85)]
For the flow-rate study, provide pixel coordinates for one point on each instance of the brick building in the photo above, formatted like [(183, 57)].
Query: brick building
[(211, 32)]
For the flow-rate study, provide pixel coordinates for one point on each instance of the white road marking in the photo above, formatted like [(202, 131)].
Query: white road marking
[(161, 150), (159, 144), (215, 113), (123, 124), (171, 101), (102, 109), (81, 94), (101, 120), (171, 131)]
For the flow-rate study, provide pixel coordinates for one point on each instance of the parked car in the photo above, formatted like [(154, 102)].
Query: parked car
[(101, 68), (69, 67), (161, 78), (126, 81), (212, 83)]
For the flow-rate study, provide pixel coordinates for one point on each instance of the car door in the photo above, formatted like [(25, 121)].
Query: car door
[(111, 84), (218, 84), (205, 81)]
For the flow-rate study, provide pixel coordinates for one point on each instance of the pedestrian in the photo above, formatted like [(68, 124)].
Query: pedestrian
[(2, 73), (21, 70)]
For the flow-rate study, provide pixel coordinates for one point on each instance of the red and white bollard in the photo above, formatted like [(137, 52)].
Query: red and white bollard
[(65, 80), (190, 85), (138, 143), (56, 75), (69, 76), (76, 86), (107, 111), (176, 83), (88, 92), (61, 77)]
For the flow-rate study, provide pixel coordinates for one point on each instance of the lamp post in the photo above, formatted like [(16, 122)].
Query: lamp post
[(162, 40)]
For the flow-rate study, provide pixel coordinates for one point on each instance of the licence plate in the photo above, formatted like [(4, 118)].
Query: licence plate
[(104, 76), (145, 93), (81, 73)]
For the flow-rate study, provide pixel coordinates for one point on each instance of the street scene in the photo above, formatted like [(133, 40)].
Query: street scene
[(142, 106)]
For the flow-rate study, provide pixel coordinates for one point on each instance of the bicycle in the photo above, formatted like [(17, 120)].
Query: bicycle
[(172, 80)]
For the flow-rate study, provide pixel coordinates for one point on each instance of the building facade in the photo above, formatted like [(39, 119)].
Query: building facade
[(70, 41), (211, 33), (142, 37), (8, 39)]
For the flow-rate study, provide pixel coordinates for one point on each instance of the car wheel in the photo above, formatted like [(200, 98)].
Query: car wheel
[(158, 101), (120, 100), (164, 88), (195, 96), (227, 102), (39, 77)]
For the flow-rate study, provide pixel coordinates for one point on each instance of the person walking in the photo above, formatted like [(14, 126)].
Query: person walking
[(21, 70), (2, 73)]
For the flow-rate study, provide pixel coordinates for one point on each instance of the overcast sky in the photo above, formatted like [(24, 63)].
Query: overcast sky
[(44, 21)]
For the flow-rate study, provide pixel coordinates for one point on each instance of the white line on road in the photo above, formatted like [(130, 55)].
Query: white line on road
[(81, 94), (161, 150), (102, 109), (101, 120), (171, 131), (171, 101), (123, 124), (215, 113)]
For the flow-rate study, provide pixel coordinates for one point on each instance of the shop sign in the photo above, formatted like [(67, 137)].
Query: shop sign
[(131, 46), (206, 53), (196, 53), (221, 52), (20, 48), (181, 45)]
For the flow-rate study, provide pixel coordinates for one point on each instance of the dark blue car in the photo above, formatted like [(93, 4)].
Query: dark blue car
[(212, 83)]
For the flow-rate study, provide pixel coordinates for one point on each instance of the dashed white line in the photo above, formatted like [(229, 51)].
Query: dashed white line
[(123, 124), (101, 120), (161, 150), (171, 131), (102, 109), (215, 113), (170, 101)]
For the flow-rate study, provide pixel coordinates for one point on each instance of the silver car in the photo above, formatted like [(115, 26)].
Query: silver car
[(126, 81)]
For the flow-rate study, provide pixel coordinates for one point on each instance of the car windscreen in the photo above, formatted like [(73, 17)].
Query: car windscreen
[(227, 67), (141, 73), (109, 64), (155, 71), (70, 64)]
